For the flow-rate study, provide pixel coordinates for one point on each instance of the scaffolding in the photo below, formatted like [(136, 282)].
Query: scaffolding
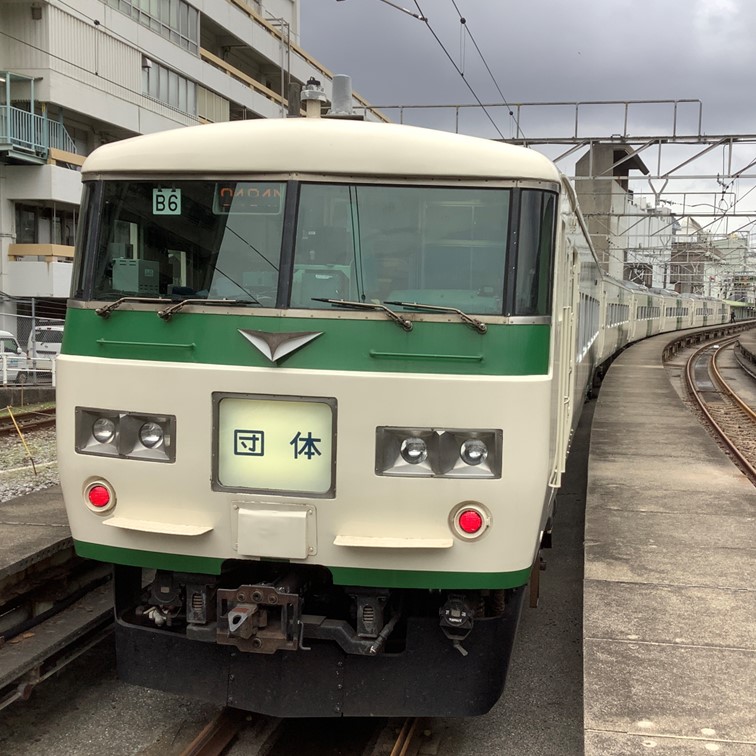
[(674, 207)]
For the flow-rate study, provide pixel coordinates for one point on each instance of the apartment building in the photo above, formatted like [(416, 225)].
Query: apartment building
[(76, 75)]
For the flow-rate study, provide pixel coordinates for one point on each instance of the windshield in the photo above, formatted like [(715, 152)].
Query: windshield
[(480, 250), (376, 243), (215, 240)]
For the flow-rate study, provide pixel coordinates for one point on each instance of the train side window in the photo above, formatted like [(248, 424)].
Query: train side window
[(534, 256)]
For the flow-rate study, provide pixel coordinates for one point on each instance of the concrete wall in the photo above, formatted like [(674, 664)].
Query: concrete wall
[(622, 230)]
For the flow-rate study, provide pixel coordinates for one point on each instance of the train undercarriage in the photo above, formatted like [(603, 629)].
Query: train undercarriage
[(285, 641)]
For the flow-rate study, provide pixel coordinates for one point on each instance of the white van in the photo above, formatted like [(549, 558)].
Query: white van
[(45, 341), (13, 365)]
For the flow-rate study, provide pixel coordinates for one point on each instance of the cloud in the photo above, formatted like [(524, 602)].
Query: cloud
[(545, 50), (559, 51)]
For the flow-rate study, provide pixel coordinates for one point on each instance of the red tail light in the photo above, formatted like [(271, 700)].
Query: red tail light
[(470, 521), (99, 496)]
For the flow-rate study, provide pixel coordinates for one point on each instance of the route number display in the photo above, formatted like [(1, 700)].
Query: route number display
[(166, 201)]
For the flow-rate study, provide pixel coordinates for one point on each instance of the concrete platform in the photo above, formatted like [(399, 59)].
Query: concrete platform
[(32, 528), (670, 575), (748, 340)]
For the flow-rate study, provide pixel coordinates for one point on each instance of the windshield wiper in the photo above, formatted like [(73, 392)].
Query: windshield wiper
[(169, 312), (398, 319), (478, 325), (104, 312)]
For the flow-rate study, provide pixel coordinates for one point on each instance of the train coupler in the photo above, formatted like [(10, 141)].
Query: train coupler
[(262, 618)]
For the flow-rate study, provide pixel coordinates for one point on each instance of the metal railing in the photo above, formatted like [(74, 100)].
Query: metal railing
[(32, 133), (20, 370)]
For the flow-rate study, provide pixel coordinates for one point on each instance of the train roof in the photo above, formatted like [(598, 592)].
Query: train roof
[(319, 146), (634, 285)]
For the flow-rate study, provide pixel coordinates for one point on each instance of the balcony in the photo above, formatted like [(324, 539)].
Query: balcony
[(47, 252), (26, 137), (38, 270)]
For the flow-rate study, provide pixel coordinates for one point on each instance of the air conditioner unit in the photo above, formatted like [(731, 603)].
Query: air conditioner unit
[(136, 276)]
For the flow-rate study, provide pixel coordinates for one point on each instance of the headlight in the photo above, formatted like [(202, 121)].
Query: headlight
[(473, 452), (414, 450), (438, 452), (103, 429), (130, 435), (150, 434)]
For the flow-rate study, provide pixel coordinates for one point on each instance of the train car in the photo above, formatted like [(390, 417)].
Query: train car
[(315, 397), (616, 315)]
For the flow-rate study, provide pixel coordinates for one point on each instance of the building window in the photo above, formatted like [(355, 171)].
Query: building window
[(167, 86), (173, 19), (26, 225), (45, 225)]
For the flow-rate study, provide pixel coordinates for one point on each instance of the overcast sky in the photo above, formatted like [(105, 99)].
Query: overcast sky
[(552, 50), (541, 50)]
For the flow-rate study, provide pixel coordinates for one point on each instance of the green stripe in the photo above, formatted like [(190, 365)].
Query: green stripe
[(341, 575), (151, 559), (348, 344)]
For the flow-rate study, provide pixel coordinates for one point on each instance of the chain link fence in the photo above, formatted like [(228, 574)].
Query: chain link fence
[(31, 335)]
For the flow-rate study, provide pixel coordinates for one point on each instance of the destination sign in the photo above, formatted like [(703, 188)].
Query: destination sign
[(275, 445), (248, 198)]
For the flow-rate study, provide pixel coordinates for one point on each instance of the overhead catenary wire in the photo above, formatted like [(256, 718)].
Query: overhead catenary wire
[(466, 29), (458, 69)]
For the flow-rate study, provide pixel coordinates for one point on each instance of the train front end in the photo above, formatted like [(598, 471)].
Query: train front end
[(306, 408)]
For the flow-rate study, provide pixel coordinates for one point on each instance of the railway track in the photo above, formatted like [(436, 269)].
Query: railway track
[(731, 419), (26, 420), (268, 736)]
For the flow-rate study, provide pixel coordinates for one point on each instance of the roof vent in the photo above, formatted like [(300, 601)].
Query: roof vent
[(341, 106)]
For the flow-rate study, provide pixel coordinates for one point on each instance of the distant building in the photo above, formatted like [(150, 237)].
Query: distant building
[(74, 76), (632, 238), (713, 265), (693, 260)]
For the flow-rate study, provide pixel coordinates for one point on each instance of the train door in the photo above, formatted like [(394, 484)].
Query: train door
[(566, 349)]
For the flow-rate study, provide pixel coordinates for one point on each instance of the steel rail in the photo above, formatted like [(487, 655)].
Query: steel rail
[(217, 735), (28, 421), (747, 467), (726, 386), (406, 736)]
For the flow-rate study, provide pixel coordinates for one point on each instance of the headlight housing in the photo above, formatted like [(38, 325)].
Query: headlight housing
[(131, 435), (438, 452)]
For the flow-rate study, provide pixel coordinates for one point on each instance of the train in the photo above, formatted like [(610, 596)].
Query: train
[(316, 393)]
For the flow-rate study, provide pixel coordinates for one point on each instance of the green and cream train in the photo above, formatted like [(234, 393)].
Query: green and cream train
[(315, 398)]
